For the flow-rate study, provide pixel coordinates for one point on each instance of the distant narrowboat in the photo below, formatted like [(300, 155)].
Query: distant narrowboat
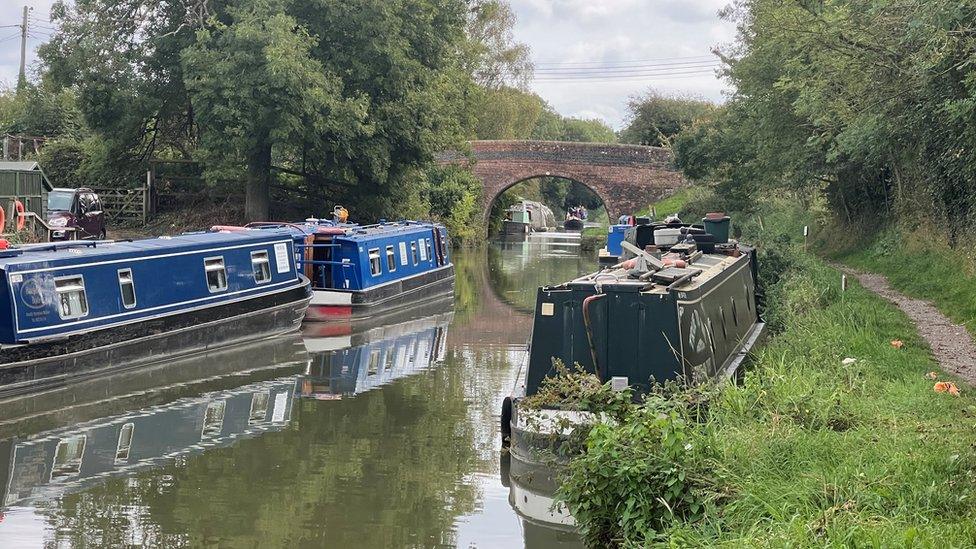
[(359, 271), (528, 216), (80, 308), (684, 305)]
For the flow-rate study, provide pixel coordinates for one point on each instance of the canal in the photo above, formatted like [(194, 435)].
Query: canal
[(382, 434)]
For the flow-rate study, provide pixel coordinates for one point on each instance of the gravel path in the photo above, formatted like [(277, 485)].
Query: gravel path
[(951, 344)]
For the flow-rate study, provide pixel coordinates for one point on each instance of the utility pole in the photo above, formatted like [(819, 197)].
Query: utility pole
[(22, 78)]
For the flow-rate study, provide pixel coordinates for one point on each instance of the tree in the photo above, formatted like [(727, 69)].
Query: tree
[(493, 57), (353, 95), (655, 118)]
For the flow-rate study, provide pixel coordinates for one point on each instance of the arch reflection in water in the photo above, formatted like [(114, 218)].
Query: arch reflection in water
[(118, 437), (375, 353)]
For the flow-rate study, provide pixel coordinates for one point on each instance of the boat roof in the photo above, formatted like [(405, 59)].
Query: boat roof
[(369, 232), (69, 252), (709, 266)]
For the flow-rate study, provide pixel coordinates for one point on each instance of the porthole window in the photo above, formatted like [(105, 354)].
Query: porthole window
[(374, 262), (216, 274), (127, 288), (261, 267), (390, 259), (72, 301)]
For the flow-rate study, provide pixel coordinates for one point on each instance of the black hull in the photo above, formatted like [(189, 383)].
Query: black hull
[(55, 364), (390, 297)]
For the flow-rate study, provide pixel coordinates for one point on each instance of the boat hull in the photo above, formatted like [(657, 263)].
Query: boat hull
[(515, 227), (330, 305), (42, 366), (573, 224)]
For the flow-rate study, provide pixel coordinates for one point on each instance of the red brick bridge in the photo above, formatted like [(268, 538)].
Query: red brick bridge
[(625, 177)]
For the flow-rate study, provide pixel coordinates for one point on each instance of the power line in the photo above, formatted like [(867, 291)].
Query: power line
[(616, 70), (556, 63), (14, 35), (621, 81), (622, 77)]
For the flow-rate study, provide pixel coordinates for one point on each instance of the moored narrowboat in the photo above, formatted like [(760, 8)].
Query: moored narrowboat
[(81, 308), (359, 271), (527, 216), (682, 306)]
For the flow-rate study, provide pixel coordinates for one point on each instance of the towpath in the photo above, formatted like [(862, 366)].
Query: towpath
[(951, 344)]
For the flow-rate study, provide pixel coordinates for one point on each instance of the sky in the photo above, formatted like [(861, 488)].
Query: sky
[(587, 52)]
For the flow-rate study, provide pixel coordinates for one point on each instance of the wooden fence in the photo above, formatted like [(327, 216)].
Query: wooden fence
[(131, 205)]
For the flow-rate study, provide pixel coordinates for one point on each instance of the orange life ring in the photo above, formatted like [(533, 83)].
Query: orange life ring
[(21, 218)]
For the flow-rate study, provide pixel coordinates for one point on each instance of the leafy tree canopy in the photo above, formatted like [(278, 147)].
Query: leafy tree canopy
[(655, 118)]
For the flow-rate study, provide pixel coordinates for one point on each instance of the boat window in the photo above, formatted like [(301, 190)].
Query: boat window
[(216, 274), (67, 457), (403, 253), (748, 301), (259, 407), (725, 334), (127, 288), (735, 316), (423, 250), (443, 246), (125, 442), (429, 254), (213, 419), (413, 252), (390, 259), (261, 267), (711, 339), (72, 301), (374, 262), (374, 363)]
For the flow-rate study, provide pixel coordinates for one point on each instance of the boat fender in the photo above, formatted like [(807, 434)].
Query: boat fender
[(679, 263), (629, 264), (3, 218), (4, 243), (506, 425), (21, 218)]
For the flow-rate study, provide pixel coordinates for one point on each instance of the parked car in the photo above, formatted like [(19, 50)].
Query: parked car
[(78, 209)]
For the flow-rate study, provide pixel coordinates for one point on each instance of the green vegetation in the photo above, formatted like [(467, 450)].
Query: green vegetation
[(655, 119), (811, 449), (918, 263)]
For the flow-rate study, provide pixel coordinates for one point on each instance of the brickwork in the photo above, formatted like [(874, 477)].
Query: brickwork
[(626, 177)]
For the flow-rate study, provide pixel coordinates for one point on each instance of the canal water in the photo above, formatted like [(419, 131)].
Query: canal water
[(381, 434)]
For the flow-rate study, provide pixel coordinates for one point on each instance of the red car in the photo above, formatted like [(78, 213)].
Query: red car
[(78, 209)]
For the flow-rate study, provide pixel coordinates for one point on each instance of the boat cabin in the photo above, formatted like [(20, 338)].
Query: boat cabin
[(358, 258), (53, 291)]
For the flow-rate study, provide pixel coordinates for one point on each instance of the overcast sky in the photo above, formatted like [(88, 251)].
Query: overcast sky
[(576, 44)]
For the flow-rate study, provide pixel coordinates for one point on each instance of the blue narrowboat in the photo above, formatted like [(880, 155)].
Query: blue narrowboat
[(79, 308), (359, 271)]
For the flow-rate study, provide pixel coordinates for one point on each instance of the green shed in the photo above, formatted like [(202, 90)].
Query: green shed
[(24, 181)]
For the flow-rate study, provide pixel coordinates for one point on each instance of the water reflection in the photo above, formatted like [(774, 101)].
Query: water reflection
[(382, 433)]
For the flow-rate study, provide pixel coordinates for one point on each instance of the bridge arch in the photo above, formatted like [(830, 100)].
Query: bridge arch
[(490, 200), (625, 177)]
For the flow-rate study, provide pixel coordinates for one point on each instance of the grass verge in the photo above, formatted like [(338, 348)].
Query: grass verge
[(809, 450), (921, 265)]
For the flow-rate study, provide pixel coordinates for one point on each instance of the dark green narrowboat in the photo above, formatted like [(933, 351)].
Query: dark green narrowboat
[(684, 305)]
